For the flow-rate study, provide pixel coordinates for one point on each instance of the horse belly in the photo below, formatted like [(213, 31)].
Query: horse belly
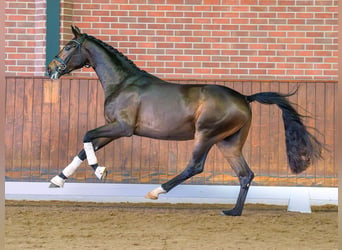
[(165, 114), (165, 126)]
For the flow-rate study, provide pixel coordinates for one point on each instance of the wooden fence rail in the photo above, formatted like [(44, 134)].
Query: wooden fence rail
[(46, 121)]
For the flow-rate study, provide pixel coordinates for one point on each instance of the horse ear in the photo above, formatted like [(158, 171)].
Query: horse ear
[(76, 31)]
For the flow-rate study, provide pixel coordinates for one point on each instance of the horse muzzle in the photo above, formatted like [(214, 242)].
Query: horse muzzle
[(53, 73), (56, 69)]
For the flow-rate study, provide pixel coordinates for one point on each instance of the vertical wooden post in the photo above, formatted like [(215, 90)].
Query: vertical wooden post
[(2, 124), (338, 122)]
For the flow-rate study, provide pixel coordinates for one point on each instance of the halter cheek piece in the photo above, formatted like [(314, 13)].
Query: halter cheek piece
[(63, 63)]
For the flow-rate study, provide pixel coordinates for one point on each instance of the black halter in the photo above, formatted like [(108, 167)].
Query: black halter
[(63, 63)]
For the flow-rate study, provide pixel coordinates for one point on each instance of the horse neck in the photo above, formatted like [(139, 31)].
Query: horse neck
[(108, 67)]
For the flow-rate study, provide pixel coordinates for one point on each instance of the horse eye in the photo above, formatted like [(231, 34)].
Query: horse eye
[(67, 48)]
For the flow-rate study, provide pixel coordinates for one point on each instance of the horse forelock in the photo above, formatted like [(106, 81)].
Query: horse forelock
[(117, 54)]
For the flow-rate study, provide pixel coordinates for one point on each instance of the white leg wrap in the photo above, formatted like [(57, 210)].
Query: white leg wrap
[(71, 168), (89, 150)]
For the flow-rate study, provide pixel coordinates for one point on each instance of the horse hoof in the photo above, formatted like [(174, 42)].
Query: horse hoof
[(154, 194), (57, 182), (151, 196), (52, 185), (232, 212), (101, 173)]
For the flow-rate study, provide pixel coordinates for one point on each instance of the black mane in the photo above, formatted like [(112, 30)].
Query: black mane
[(121, 57)]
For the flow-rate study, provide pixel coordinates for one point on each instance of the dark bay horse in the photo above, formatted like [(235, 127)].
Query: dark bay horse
[(138, 103)]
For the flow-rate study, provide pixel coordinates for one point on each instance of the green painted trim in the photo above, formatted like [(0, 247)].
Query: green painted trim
[(52, 29)]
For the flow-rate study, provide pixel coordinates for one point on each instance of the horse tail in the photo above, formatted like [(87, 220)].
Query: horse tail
[(302, 147)]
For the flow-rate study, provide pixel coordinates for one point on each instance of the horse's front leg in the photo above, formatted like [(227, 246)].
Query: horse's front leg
[(93, 141), (100, 172)]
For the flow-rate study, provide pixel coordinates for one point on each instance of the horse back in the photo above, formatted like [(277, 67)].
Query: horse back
[(175, 111)]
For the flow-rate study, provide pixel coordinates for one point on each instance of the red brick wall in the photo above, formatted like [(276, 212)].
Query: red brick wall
[(25, 37), (234, 39)]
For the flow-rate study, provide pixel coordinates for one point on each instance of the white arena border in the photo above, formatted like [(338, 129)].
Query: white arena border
[(220, 194)]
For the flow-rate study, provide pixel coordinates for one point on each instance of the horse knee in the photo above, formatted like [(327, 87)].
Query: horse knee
[(87, 137)]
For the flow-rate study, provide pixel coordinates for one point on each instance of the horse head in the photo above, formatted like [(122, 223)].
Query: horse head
[(71, 57)]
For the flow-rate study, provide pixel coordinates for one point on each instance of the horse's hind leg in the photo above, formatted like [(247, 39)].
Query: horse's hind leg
[(245, 176), (195, 166), (231, 148)]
